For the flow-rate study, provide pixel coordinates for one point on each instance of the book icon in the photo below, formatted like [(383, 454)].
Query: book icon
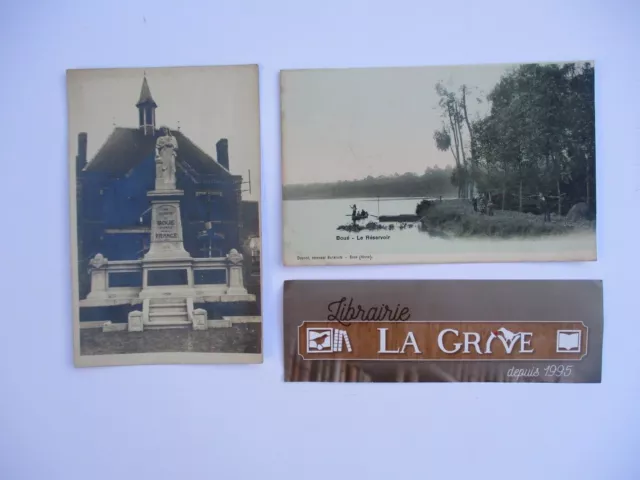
[(327, 340), (568, 341)]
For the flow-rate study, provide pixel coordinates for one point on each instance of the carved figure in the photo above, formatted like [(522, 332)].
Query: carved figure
[(166, 152)]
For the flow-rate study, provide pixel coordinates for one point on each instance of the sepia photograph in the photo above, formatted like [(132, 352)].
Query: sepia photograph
[(447, 164), (402, 331), (165, 215)]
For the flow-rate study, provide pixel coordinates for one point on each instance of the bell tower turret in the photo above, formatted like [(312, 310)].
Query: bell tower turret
[(146, 110)]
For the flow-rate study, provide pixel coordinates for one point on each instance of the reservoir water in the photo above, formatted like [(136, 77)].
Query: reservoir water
[(310, 230)]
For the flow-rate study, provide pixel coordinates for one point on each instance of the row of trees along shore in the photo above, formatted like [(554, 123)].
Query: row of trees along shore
[(434, 182), (538, 137)]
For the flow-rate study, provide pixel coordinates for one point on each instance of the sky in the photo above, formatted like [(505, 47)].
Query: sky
[(207, 103), (345, 124)]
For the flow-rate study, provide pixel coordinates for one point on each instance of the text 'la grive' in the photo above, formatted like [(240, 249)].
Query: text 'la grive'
[(452, 341)]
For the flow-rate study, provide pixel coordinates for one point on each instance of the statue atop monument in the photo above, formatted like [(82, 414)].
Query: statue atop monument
[(166, 152)]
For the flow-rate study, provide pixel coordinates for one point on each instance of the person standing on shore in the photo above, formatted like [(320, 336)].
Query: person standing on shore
[(490, 205), (544, 207), (482, 205), (354, 214)]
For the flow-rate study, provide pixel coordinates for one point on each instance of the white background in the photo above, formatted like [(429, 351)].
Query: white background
[(236, 422)]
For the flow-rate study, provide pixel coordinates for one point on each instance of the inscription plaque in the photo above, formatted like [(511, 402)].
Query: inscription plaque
[(166, 224)]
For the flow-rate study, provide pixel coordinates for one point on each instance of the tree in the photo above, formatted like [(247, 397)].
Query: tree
[(539, 132), (473, 160), (582, 139), (450, 137), (497, 162)]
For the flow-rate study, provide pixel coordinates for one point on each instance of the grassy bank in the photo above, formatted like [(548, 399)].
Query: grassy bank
[(457, 217)]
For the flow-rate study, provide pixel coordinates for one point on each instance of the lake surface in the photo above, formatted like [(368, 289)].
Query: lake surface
[(310, 230)]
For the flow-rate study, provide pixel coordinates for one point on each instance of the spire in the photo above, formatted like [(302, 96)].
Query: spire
[(145, 95), (146, 109)]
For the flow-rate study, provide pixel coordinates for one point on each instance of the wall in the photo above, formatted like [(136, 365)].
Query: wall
[(243, 422)]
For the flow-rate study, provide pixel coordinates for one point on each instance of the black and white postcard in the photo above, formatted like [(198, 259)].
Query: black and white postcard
[(480, 163), (165, 229)]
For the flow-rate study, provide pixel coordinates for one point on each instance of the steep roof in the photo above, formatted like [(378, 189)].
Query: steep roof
[(145, 95), (126, 148)]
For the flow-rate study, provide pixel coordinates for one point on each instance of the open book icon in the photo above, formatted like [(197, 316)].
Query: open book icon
[(568, 341)]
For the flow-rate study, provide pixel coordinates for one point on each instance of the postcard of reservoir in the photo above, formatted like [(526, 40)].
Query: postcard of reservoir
[(481, 163)]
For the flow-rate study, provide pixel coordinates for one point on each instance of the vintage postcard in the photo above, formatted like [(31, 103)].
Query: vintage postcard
[(165, 215), (461, 164), (443, 331)]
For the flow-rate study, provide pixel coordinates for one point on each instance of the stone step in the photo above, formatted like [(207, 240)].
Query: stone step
[(169, 308), (168, 304), (161, 325), (168, 314), (168, 299), (168, 322), (169, 318)]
